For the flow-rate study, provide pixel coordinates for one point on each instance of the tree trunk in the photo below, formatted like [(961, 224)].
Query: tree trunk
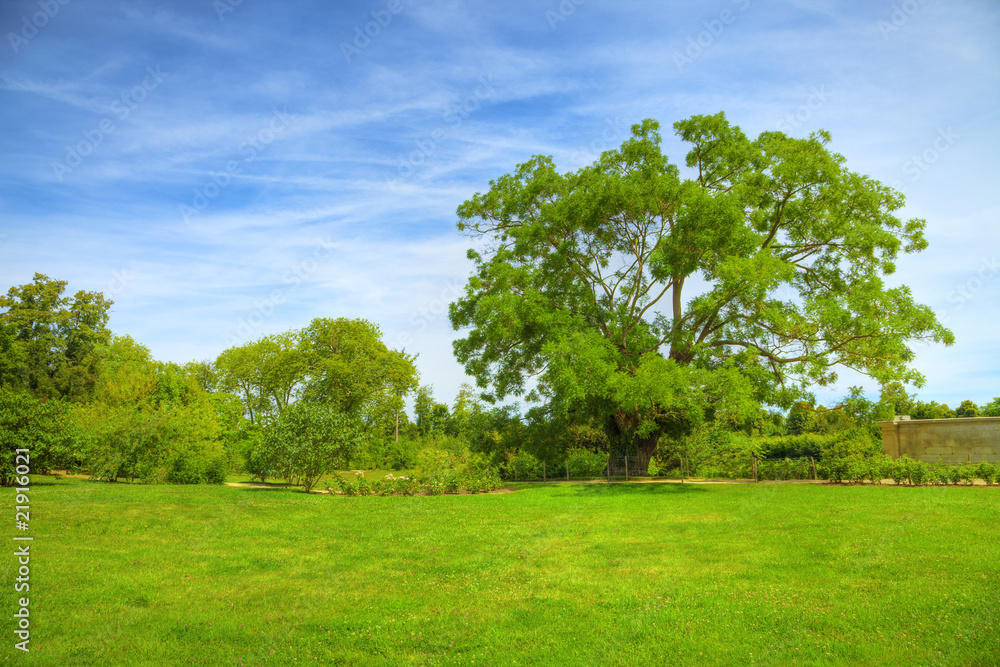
[(620, 429), (639, 455)]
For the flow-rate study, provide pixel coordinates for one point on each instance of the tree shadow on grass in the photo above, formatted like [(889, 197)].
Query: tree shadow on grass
[(632, 489)]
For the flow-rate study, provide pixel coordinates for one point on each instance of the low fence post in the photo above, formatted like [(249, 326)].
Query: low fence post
[(515, 472), (567, 471), (543, 471), (753, 465), (626, 467), (815, 476)]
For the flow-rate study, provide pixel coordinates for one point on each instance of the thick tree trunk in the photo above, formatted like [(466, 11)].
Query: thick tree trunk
[(638, 457), (623, 445)]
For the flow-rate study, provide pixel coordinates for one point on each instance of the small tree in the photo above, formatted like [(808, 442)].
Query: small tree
[(309, 440), (967, 409), (40, 427), (992, 409)]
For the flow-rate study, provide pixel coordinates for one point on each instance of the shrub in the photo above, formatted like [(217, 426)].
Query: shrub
[(215, 471), (898, 470), (452, 482), (987, 472), (858, 469), (183, 470), (408, 486), (346, 487), (939, 473), (432, 464), (880, 468), (586, 464), (967, 473), (308, 440), (524, 467), (917, 472), (835, 470), (955, 474)]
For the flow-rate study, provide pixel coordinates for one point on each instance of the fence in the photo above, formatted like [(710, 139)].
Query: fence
[(785, 468), (620, 466)]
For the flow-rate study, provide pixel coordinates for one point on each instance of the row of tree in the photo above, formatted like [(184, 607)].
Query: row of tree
[(297, 404), (639, 309), (81, 398)]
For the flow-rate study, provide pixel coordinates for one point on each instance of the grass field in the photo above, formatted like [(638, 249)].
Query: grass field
[(558, 574)]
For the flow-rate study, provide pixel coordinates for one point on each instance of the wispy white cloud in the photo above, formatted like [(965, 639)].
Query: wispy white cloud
[(347, 168)]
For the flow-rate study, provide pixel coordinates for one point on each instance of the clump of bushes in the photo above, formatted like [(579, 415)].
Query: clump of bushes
[(437, 472), (905, 471)]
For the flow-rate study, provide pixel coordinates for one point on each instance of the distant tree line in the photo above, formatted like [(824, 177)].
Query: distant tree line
[(299, 404)]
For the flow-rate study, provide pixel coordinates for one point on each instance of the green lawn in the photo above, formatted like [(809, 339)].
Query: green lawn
[(558, 574)]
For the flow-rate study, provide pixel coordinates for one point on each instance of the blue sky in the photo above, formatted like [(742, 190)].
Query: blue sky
[(225, 170)]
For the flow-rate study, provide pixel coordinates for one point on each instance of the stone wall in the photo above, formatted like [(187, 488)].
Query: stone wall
[(950, 440)]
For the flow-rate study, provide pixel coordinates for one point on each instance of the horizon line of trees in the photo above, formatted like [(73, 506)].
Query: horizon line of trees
[(301, 403)]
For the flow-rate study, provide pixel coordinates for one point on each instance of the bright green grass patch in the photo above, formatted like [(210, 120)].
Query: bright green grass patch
[(561, 574)]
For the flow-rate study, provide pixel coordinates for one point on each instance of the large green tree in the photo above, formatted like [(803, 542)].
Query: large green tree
[(56, 337), (657, 301), (354, 372)]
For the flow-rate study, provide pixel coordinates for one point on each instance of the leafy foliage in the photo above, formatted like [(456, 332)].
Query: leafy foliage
[(308, 441), (50, 343), (43, 428), (582, 282)]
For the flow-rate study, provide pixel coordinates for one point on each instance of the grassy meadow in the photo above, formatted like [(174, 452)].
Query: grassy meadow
[(551, 574)]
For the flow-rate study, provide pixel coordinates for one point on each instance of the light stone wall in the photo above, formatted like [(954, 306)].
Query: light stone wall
[(958, 440)]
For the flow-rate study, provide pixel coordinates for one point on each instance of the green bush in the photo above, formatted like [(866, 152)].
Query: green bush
[(183, 470), (834, 470), (955, 474), (452, 482), (968, 473), (215, 471), (940, 473), (898, 470), (586, 464), (523, 467), (987, 472), (880, 468), (917, 472)]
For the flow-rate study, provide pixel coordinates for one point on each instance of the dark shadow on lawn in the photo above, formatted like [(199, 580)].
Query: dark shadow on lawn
[(632, 489)]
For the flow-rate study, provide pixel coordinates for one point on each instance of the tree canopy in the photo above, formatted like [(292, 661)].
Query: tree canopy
[(48, 342), (657, 301)]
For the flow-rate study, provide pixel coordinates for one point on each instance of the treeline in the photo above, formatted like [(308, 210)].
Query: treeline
[(302, 403), (85, 400), (526, 447)]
